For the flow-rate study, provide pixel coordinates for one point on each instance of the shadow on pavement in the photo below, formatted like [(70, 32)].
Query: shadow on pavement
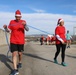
[(71, 56), (5, 60), (35, 56)]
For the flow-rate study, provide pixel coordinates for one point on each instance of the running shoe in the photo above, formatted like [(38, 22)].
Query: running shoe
[(63, 64), (55, 61), (19, 65), (14, 72)]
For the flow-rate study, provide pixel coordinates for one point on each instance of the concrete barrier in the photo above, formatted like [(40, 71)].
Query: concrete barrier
[(3, 37)]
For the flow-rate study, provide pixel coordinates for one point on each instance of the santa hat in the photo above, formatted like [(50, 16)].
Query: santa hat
[(50, 35), (18, 13), (60, 20)]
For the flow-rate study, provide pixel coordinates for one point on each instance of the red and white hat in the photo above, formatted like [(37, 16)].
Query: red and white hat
[(18, 13), (60, 20)]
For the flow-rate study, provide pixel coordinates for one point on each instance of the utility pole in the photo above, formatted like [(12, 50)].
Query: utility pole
[(74, 33)]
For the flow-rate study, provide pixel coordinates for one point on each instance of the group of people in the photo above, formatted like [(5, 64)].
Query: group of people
[(49, 40), (17, 29)]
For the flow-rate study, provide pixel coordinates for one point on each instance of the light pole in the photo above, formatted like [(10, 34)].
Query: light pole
[(74, 30)]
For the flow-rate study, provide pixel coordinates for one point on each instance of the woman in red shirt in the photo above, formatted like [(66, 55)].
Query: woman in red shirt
[(60, 41)]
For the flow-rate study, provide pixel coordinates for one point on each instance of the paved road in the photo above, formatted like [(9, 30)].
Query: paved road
[(38, 60)]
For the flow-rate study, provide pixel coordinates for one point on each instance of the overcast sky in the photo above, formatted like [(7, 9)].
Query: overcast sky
[(42, 14)]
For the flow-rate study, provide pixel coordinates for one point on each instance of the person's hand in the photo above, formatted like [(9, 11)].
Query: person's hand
[(5, 26), (24, 23), (63, 42)]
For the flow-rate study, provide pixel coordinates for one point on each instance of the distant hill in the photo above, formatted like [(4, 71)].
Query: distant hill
[(36, 35)]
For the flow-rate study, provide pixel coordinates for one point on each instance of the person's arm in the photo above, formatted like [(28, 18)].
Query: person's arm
[(25, 25), (6, 29), (26, 28), (70, 37), (60, 39)]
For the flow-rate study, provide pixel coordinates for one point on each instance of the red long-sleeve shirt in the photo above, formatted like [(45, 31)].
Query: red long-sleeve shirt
[(17, 32), (60, 30)]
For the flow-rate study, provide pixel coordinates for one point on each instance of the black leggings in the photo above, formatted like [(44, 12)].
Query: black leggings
[(60, 47)]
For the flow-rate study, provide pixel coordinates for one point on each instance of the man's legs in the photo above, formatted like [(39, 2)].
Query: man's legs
[(14, 59), (20, 57), (20, 51), (14, 51), (68, 43)]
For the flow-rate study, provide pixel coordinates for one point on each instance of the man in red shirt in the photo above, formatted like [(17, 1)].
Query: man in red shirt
[(60, 33), (17, 39)]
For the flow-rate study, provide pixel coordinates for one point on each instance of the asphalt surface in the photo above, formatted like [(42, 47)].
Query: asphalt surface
[(38, 60)]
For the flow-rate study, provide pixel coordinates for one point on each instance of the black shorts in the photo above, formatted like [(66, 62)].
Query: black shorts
[(16, 47)]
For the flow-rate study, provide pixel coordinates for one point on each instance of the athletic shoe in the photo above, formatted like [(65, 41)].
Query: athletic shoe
[(19, 65), (63, 64), (55, 61), (14, 72), (67, 46)]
